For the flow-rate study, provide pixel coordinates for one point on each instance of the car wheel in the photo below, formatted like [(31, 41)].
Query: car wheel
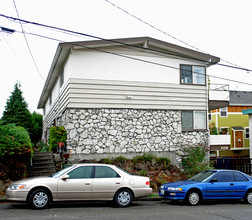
[(123, 198), (193, 197), (39, 199), (248, 197)]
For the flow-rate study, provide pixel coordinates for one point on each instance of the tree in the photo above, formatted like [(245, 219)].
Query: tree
[(36, 127), (16, 110)]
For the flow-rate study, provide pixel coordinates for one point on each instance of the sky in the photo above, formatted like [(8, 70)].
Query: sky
[(218, 27)]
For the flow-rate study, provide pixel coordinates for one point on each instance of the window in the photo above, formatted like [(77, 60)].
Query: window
[(239, 177), (61, 78), (246, 133), (193, 74), (223, 112), (193, 120), (84, 172), (226, 176), (105, 172)]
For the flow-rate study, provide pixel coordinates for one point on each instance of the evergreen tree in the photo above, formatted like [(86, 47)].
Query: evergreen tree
[(16, 110), (36, 127)]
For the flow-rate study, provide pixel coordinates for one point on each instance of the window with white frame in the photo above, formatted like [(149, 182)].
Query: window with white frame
[(193, 74), (246, 133), (193, 120), (223, 112)]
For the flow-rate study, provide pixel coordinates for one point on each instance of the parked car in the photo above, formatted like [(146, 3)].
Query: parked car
[(210, 184), (81, 182)]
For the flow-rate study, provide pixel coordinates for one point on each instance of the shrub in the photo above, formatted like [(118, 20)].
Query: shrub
[(144, 157), (15, 152), (106, 161), (57, 134), (143, 173), (120, 159), (41, 147), (164, 160), (196, 160)]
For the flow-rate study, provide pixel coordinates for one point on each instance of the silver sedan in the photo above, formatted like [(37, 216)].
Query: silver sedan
[(97, 182)]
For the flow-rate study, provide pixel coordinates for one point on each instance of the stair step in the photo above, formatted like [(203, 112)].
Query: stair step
[(43, 164)]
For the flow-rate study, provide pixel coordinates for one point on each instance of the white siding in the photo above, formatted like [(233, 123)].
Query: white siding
[(120, 94)]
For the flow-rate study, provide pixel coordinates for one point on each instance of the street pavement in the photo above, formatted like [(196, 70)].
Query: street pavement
[(149, 210)]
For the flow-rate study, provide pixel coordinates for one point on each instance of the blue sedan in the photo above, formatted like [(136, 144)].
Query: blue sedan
[(210, 184)]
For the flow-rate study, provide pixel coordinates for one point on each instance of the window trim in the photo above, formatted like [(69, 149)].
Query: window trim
[(194, 129), (226, 110), (197, 84)]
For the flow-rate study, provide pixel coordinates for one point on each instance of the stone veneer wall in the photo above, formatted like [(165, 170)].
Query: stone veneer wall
[(95, 132)]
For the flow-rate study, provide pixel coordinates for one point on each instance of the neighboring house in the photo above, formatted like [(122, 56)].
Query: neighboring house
[(232, 127), (127, 96), (249, 113)]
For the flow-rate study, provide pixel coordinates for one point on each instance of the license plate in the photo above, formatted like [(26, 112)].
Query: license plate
[(162, 192)]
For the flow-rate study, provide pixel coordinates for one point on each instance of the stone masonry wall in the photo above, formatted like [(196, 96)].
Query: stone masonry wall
[(122, 131)]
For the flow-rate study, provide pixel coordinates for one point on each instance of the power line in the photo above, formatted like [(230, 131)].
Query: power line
[(137, 59), (26, 41), (109, 52), (175, 38), (116, 42)]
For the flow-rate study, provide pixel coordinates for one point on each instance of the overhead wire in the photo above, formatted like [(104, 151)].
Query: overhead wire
[(134, 58), (109, 52), (26, 41), (147, 50), (175, 38)]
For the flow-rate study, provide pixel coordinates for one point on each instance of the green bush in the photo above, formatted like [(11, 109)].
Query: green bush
[(120, 159), (15, 152), (195, 160), (144, 157), (56, 134)]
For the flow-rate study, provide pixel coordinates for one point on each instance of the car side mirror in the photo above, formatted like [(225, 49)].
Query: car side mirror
[(214, 180), (65, 177)]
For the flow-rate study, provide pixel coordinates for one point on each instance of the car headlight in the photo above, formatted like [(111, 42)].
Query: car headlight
[(162, 187), (17, 186), (174, 189)]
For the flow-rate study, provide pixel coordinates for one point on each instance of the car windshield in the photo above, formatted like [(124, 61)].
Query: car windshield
[(58, 174), (203, 176)]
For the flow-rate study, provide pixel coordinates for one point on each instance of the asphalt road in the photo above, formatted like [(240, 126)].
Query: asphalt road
[(138, 210)]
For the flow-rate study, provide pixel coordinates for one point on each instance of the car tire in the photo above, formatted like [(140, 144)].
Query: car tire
[(39, 199), (123, 198), (193, 197), (248, 197)]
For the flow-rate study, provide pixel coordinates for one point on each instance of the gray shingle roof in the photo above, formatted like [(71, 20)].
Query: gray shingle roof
[(241, 98)]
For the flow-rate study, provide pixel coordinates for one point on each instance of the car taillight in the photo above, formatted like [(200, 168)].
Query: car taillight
[(147, 183)]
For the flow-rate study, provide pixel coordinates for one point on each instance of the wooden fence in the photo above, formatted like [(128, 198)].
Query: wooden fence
[(241, 164)]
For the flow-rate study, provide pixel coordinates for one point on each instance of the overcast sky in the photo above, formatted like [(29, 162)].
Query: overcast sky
[(219, 27)]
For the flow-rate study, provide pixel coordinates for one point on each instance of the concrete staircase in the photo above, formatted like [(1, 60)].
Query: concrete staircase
[(42, 164)]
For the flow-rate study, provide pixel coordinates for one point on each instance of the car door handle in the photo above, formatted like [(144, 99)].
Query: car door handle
[(87, 184), (118, 183), (231, 184)]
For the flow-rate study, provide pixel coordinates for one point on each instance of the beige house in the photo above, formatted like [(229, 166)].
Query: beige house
[(127, 97)]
